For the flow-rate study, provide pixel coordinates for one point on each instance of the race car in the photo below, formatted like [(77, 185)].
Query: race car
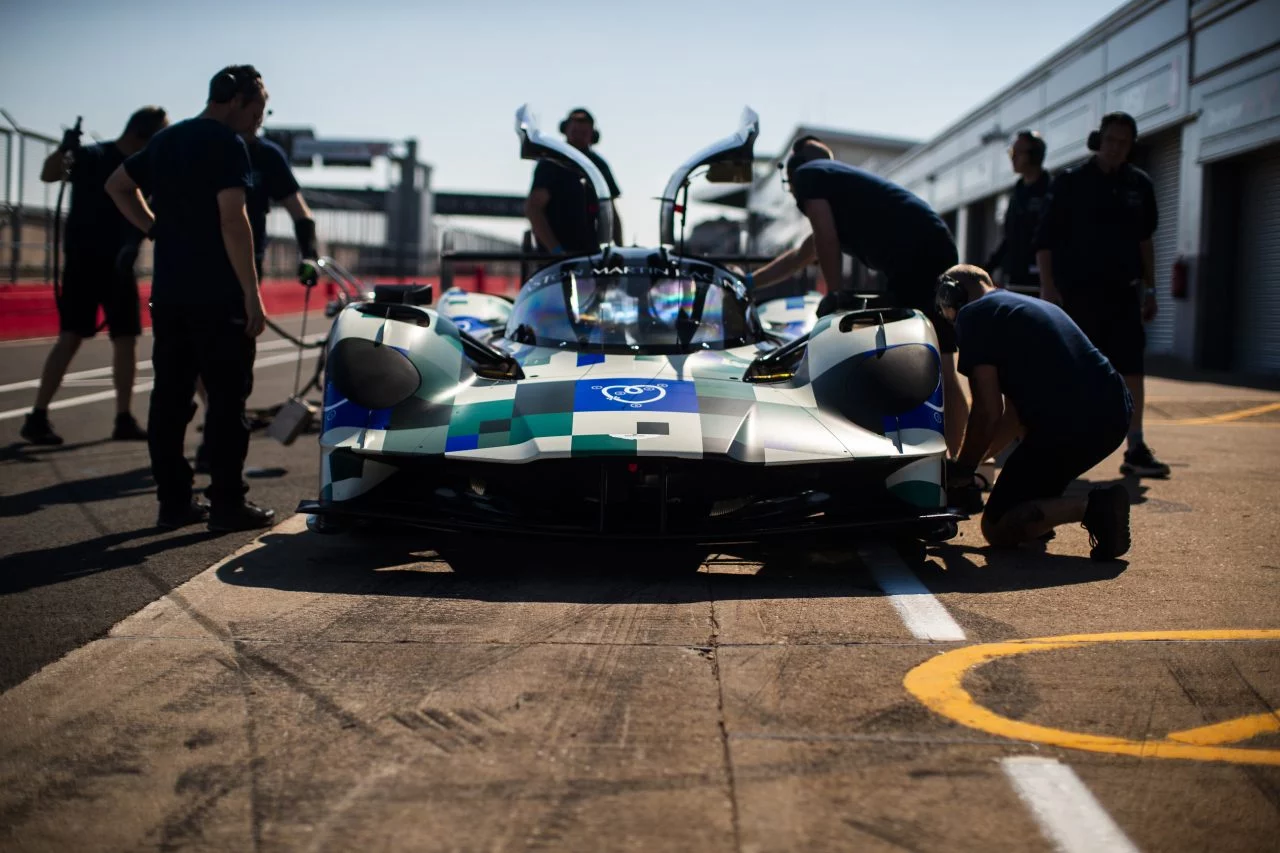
[(632, 393)]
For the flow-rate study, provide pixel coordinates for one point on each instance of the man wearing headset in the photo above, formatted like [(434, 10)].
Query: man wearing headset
[(272, 181), (206, 309), (885, 227), (561, 207), (1096, 260), (1071, 404), (101, 250), (1016, 254)]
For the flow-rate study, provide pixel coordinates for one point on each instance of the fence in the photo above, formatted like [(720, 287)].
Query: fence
[(27, 218)]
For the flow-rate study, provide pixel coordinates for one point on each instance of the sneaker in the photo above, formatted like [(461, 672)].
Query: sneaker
[(246, 516), (1106, 517), (37, 430), (171, 518), (127, 429), (1141, 462), (202, 458)]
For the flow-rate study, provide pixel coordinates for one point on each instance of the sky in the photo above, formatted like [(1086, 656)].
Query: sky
[(662, 77)]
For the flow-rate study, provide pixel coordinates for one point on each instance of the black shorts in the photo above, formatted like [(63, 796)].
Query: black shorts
[(1043, 465), (1111, 317), (918, 288), (90, 280)]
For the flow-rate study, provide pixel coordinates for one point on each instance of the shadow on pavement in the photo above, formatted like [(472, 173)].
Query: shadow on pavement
[(398, 564), (1168, 367), (107, 487), (46, 566), (22, 451)]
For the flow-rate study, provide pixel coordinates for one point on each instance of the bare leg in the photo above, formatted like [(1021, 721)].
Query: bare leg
[(1029, 521), (55, 367), (123, 367), (955, 405), (1009, 428)]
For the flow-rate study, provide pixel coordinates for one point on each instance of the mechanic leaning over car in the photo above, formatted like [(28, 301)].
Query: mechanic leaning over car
[(1029, 364), (206, 308), (101, 250), (272, 181), (1016, 254), (1096, 261), (561, 207), (885, 227)]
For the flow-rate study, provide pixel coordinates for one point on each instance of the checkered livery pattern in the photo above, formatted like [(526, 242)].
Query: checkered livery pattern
[(573, 404)]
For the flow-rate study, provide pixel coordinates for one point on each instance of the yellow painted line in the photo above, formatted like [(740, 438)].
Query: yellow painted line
[(1231, 731), (1228, 417), (938, 684)]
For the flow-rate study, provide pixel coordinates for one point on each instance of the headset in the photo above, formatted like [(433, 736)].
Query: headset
[(564, 125), (1094, 142), (226, 84), (1038, 147), (950, 294)]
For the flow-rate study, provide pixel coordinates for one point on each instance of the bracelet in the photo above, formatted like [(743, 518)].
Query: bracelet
[(749, 280)]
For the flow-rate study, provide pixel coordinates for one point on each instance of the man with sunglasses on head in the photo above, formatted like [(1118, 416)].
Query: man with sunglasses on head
[(1030, 366), (1016, 254), (206, 308), (885, 227), (561, 205)]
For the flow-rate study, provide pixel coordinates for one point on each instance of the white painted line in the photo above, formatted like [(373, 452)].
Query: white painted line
[(95, 372), (1068, 814), (85, 399), (924, 615)]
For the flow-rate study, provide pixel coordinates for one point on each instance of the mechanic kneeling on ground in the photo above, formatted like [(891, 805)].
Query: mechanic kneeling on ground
[(888, 229), (1073, 406), (205, 305), (101, 250), (560, 207)]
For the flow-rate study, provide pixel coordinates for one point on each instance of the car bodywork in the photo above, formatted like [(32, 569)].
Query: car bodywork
[(633, 393)]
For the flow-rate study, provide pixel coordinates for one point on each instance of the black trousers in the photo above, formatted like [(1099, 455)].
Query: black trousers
[(207, 342)]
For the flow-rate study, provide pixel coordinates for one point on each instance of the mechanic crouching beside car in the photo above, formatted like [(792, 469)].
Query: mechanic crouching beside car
[(1074, 409), (885, 227)]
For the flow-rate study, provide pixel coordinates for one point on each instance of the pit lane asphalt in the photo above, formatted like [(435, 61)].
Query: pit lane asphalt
[(80, 551), (352, 692)]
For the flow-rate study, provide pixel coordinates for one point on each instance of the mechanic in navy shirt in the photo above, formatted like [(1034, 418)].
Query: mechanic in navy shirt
[(1096, 260), (101, 249), (206, 308), (1029, 365), (561, 207), (273, 181), (1016, 254), (885, 227)]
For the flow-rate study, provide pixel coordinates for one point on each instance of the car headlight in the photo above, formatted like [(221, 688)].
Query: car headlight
[(370, 374)]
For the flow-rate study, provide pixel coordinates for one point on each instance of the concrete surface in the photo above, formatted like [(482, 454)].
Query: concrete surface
[(295, 692)]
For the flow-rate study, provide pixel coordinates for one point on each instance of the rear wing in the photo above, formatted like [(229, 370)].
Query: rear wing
[(535, 146)]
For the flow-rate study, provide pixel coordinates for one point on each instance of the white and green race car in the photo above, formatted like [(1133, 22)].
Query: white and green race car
[(633, 392)]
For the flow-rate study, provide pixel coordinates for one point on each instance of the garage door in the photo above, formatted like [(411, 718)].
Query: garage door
[(1258, 326), (1163, 164)]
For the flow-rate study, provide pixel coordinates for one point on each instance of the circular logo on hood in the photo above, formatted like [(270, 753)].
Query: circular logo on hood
[(634, 396)]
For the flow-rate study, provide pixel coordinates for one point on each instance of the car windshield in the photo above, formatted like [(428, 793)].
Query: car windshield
[(633, 313)]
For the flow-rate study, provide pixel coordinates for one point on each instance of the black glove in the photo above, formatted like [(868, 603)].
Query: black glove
[(71, 139), (308, 275), (964, 492)]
